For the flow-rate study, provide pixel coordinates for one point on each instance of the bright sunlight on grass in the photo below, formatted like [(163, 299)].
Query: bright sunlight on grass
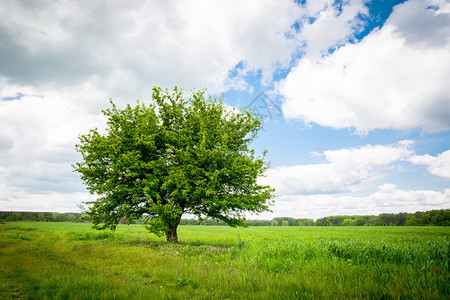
[(73, 261)]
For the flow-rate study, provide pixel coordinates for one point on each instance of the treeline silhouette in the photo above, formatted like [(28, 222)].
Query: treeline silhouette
[(432, 217), (429, 218), (11, 216)]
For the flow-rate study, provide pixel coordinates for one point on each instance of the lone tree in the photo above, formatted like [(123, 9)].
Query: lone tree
[(172, 157)]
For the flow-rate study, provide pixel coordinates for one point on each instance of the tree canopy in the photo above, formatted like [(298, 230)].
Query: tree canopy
[(173, 156)]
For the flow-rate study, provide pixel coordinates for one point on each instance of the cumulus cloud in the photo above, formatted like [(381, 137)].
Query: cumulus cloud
[(18, 200), (436, 165), (345, 170), (60, 62), (388, 199), (395, 78), (333, 24), (189, 43), (37, 146)]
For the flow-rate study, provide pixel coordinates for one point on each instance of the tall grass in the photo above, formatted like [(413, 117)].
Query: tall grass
[(72, 261)]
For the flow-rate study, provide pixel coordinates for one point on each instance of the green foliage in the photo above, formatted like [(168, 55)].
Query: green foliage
[(172, 157), (348, 222), (429, 218), (304, 222), (12, 216), (285, 221), (432, 217)]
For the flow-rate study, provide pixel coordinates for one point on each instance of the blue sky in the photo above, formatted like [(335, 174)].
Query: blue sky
[(359, 118)]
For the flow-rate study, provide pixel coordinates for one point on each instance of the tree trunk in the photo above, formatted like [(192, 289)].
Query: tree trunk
[(171, 235)]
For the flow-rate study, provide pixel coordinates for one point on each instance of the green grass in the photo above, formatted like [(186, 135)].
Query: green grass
[(73, 261)]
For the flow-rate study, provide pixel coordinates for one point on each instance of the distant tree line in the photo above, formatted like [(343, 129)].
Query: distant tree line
[(428, 218), (432, 217), (10, 216)]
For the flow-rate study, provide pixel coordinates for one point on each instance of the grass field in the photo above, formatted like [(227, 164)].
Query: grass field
[(73, 261)]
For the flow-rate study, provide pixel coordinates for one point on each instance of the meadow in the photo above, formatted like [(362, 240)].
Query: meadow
[(43, 260)]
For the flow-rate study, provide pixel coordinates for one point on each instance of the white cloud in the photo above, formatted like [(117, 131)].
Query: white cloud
[(345, 170), (395, 78), (388, 199), (332, 26), (18, 200), (37, 145), (324, 189), (64, 60), (436, 165), (143, 43)]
